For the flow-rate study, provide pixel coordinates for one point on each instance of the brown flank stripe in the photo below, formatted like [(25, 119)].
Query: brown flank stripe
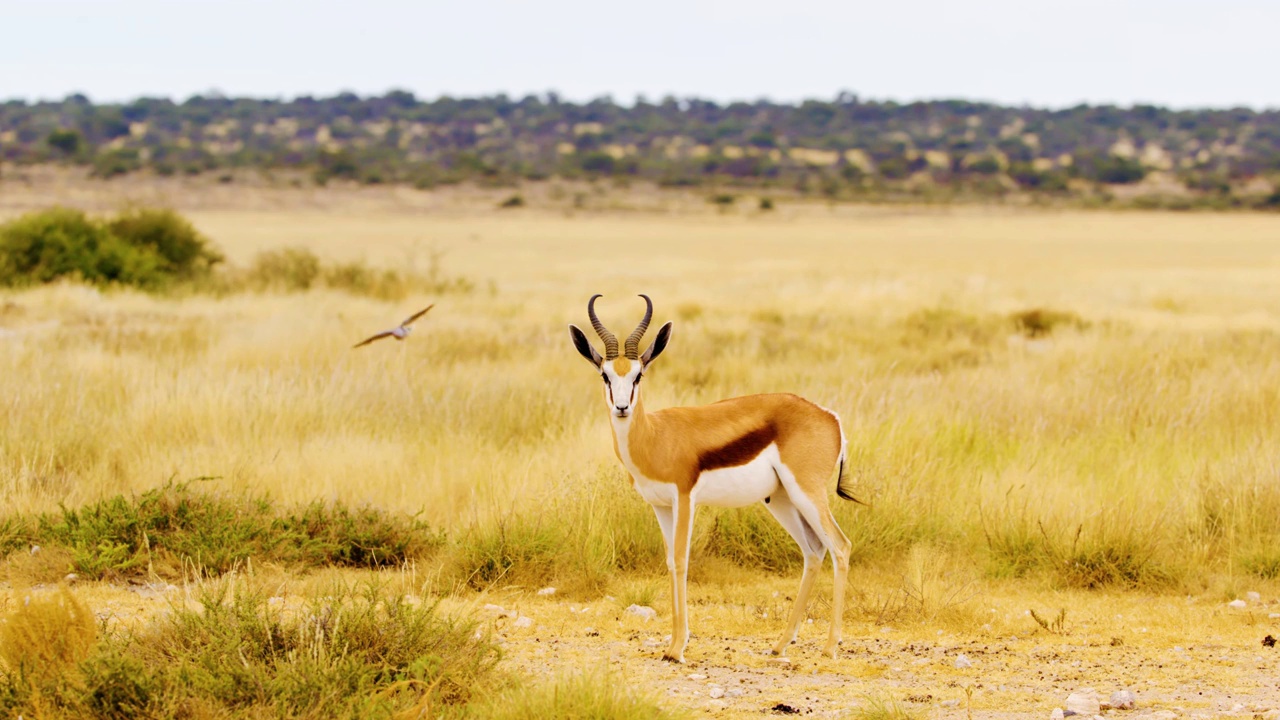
[(740, 451)]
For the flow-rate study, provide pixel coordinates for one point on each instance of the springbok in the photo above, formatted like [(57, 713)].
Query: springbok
[(776, 448)]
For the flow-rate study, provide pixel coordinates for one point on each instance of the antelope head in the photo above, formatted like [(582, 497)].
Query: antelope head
[(621, 374)]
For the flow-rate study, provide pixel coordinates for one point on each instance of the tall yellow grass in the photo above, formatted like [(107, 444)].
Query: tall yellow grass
[(1147, 433)]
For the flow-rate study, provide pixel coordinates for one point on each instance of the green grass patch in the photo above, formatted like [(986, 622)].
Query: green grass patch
[(356, 652), (165, 529)]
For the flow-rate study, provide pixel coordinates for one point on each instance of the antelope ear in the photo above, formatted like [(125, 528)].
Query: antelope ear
[(583, 346), (659, 344)]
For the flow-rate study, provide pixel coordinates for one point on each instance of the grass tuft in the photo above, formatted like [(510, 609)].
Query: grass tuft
[(578, 697)]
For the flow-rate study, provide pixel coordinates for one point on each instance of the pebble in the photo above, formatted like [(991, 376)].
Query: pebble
[(494, 609), (1238, 604), (1253, 596), (1273, 616), (717, 704), (1123, 700), (1056, 714), (716, 692), (643, 611), (1084, 702), (71, 578), (696, 676), (523, 621), (963, 661), (949, 703), (35, 549), (547, 591)]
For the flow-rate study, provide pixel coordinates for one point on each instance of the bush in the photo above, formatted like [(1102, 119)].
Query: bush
[(144, 248), (67, 142), (164, 528), (48, 245), (184, 252), (115, 162)]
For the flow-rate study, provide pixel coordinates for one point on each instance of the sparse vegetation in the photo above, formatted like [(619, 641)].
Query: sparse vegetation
[(170, 530), (356, 652)]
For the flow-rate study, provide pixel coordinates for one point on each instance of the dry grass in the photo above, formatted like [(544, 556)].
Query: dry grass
[(1070, 400), (1134, 443)]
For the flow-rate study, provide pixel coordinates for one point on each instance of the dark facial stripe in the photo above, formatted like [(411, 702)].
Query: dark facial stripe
[(739, 452)]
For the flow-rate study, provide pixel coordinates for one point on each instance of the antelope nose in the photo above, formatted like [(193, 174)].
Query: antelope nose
[(621, 408)]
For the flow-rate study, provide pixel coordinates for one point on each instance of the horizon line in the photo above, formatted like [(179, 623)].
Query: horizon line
[(683, 100)]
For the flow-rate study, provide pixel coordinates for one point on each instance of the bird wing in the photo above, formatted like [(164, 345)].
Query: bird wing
[(417, 315), (366, 341)]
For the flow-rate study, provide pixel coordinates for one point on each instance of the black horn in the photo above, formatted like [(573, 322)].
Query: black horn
[(633, 341), (610, 341)]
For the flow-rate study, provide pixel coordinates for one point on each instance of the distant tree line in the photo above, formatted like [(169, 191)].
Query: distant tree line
[(843, 148)]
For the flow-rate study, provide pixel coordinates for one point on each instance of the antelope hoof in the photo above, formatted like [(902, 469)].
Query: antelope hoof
[(672, 657), (831, 651)]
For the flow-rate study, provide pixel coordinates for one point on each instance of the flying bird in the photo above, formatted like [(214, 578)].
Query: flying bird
[(398, 332)]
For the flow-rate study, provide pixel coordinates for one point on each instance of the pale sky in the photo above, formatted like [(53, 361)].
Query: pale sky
[(1167, 52)]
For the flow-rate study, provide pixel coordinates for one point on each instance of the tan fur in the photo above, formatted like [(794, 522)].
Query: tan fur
[(621, 365), (665, 445)]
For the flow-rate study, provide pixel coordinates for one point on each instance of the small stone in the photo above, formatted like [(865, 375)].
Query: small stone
[(643, 611), (547, 591), (963, 661), (495, 609), (1056, 714), (1238, 707), (1123, 700), (696, 676), (35, 549), (71, 578), (1084, 702), (779, 661), (717, 704), (733, 692), (1273, 616), (523, 622), (716, 692), (1253, 596), (949, 703), (1238, 604)]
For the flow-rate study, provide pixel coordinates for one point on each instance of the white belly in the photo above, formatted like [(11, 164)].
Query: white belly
[(655, 493), (742, 485)]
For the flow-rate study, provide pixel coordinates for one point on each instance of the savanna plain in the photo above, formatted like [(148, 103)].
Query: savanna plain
[(1065, 426)]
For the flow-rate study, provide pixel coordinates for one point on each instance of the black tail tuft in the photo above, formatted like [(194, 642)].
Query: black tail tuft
[(840, 490)]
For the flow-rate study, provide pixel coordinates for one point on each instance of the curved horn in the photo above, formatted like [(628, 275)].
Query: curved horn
[(633, 341), (610, 340)]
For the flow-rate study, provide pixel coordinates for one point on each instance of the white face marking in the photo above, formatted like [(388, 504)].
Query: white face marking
[(621, 392)]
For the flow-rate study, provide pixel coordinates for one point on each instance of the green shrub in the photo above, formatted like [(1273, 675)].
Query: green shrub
[(146, 248), (115, 162), (57, 243), (184, 252), (162, 529)]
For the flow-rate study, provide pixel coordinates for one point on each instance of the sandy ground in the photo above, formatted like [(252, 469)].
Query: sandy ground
[(982, 657)]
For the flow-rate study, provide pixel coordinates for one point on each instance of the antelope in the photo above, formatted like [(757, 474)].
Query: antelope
[(777, 448)]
